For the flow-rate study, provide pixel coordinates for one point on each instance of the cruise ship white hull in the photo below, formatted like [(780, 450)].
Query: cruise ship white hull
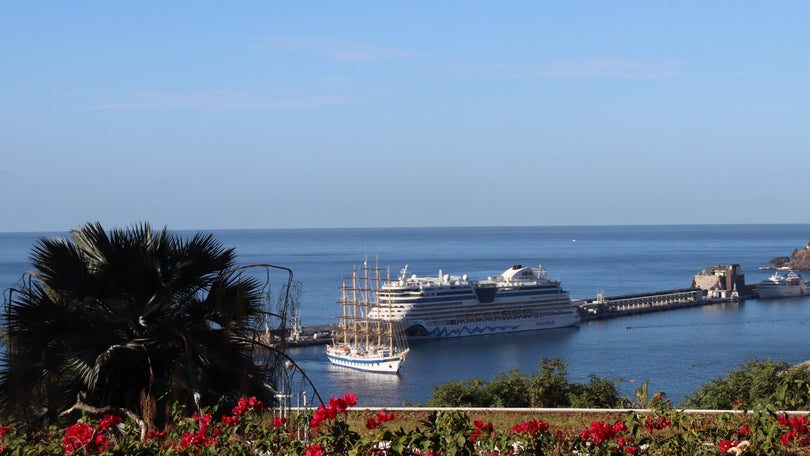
[(421, 331), (379, 364)]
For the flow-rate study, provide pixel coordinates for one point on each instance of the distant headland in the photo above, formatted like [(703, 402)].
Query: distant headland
[(798, 261)]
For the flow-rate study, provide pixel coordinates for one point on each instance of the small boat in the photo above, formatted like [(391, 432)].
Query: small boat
[(364, 340), (783, 286)]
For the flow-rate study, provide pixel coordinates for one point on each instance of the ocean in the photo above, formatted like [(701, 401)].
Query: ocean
[(676, 351)]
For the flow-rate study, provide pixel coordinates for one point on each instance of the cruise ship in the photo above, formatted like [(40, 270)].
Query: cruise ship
[(444, 306), (783, 286)]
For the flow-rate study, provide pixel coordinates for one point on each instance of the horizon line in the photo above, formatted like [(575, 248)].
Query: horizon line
[(421, 227)]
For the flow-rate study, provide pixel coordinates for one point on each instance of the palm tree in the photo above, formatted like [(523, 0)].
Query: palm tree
[(132, 319)]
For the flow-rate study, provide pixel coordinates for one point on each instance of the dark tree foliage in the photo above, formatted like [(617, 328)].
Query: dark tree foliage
[(599, 392), (135, 319), (470, 393), (508, 390), (547, 388), (756, 383)]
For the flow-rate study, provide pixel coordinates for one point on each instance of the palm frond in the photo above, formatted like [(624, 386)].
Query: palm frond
[(128, 312)]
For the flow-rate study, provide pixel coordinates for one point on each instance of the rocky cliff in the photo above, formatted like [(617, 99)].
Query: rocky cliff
[(799, 260)]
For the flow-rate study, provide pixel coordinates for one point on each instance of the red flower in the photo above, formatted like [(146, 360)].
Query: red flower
[(247, 404), (382, 417), (100, 440), (725, 444), (799, 429), (530, 427), (279, 422), (197, 439), (255, 404), (240, 407), (336, 405), (201, 437), (108, 421), (318, 417), (316, 449), (77, 436), (350, 399), (651, 423), (480, 429), (229, 421), (154, 435), (599, 431)]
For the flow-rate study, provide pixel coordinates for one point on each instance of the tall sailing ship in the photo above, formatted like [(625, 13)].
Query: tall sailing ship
[(367, 338)]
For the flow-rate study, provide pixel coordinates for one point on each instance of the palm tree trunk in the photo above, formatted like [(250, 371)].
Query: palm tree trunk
[(148, 410)]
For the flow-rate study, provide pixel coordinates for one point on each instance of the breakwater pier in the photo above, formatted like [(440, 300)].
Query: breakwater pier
[(603, 307), (711, 285)]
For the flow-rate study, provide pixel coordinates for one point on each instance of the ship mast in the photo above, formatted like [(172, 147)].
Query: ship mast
[(354, 306), (366, 307), (389, 316), (376, 303), (344, 322)]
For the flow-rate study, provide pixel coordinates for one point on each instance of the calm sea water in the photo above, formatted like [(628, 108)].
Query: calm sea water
[(676, 351)]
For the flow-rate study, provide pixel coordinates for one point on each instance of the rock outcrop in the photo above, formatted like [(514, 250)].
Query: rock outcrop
[(798, 261)]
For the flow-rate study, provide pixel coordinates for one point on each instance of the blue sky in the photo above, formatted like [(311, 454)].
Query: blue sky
[(209, 115)]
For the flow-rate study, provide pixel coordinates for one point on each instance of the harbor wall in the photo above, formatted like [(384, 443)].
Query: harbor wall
[(617, 306)]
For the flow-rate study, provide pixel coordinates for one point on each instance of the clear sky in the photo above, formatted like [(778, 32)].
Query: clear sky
[(309, 114)]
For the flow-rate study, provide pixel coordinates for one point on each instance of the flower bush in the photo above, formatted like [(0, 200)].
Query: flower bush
[(251, 429)]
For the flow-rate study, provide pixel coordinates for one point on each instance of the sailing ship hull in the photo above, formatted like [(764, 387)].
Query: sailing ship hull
[(382, 364)]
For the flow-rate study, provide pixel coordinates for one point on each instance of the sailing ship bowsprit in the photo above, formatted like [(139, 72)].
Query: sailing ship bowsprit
[(367, 338)]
